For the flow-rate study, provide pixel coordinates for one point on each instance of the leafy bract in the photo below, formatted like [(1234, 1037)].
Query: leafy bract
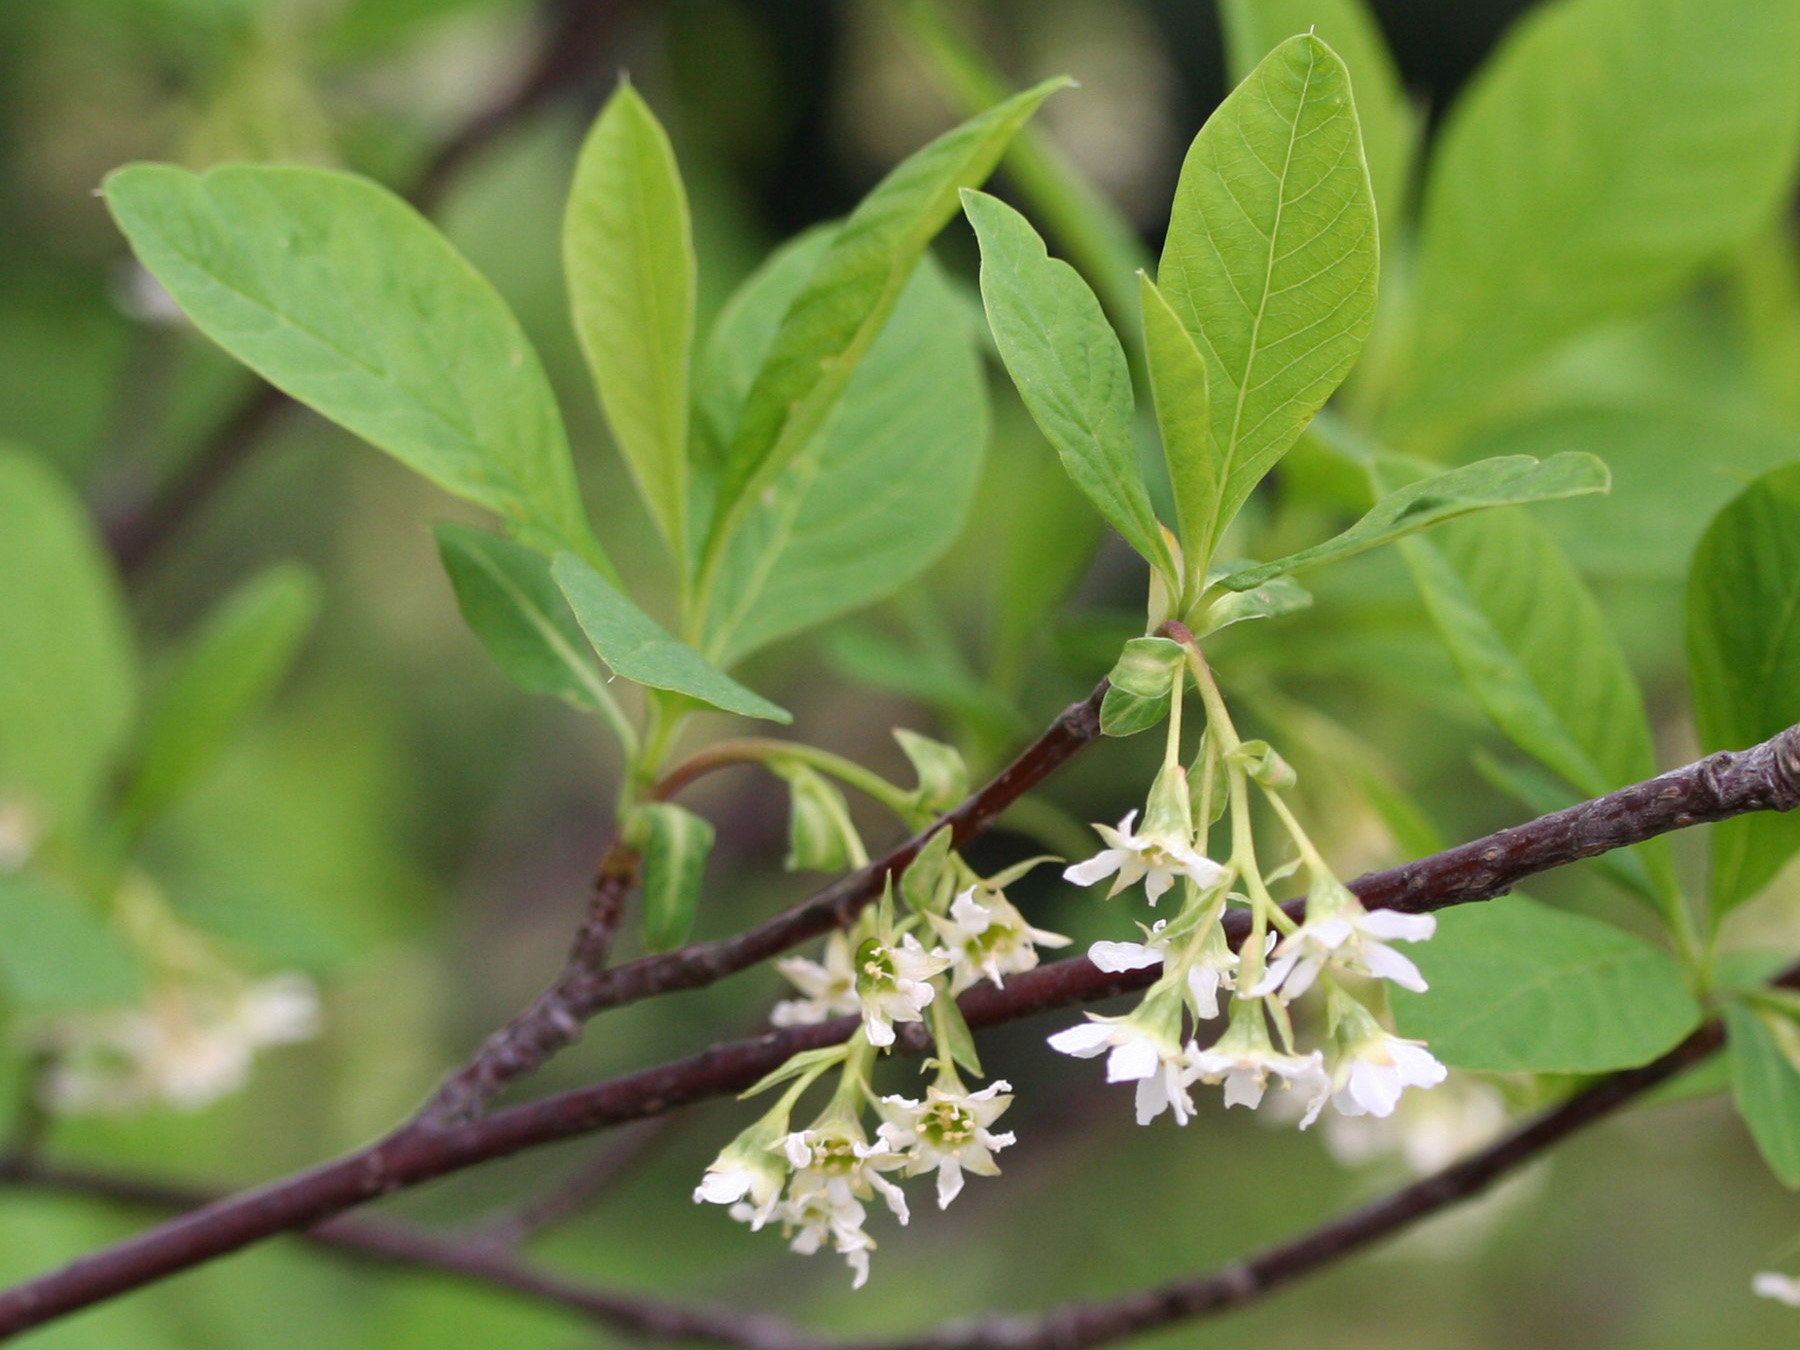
[(1743, 616), (58, 954), (1069, 368), (514, 606), (676, 845), (1518, 987), (224, 678), (67, 677), (836, 316), (1253, 28), (881, 490), (1271, 257), (1765, 1085), (1607, 151), (634, 645), (1508, 481), (629, 254), (332, 288)]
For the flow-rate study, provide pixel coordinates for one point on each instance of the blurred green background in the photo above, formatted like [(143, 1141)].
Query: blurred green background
[(416, 834)]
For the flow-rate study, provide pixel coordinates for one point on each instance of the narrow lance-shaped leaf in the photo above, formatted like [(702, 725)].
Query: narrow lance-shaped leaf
[(1069, 368), (1253, 28), (336, 291), (1518, 987), (1605, 153), (629, 254), (1765, 1086), (1508, 480), (514, 607), (1271, 256), (676, 845), (634, 645), (1184, 417), (1743, 615), (833, 321), (67, 677), (219, 684)]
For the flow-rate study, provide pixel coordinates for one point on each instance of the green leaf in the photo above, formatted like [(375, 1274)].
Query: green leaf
[(951, 1029), (880, 662), (1271, 600), (834, 320), (1609, 150), (1068, 366), (514, 607), (943, 776), (1508, 481), (676, 844), (1271, 256), (1518, 987), (1765, 1084), (1183, 414), (1534, 648), (633, 644), (1743, 614), (1253, 28), (628, 251), (67, 677), (218, 685), (57, 954), (883, 488), (332, 288)]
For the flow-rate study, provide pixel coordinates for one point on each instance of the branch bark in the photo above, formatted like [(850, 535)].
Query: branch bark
[(575, 31), (1765, 777)]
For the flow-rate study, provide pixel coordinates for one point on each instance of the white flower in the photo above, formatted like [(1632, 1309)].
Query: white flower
[(188, 1047), (948, 1131), (1137, 1052), (1212, 968), (1427, 1132), (829, 989), (1244, 1057), (1376, 1068), (839, 1157), (893, 984), (832, 1214), (752, 1165), (1782, 1288), (21, 829), (1154, 857), (987, 936), (1352, 939)]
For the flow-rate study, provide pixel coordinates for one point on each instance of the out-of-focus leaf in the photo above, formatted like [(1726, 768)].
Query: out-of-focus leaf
[(1765, 1084), (1068, 366), (67, 678), (56, 953), (514, 606), (882, 489), (1253, 28), (334, 289), (1518, 987), (1744, 661), (1510, 481), (880, 662), (676, 845), (1607, 151), (1271, 256), (628, 250), (223, 680), (834, 320), (634, 645), (1541, 793)]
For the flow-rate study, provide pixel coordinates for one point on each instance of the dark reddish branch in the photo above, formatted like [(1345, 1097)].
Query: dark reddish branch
[(383, 1242), (1766, 777), (585, 986), (575, 31)]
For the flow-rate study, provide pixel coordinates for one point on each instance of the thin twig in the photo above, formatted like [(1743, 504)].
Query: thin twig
[(575, 1193), (584, 987), (574, 32), (465, 1258), (1766, 777)]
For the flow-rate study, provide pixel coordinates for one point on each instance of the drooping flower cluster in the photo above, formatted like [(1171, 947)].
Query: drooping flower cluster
[(814, 1183), (1362, 1069)]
